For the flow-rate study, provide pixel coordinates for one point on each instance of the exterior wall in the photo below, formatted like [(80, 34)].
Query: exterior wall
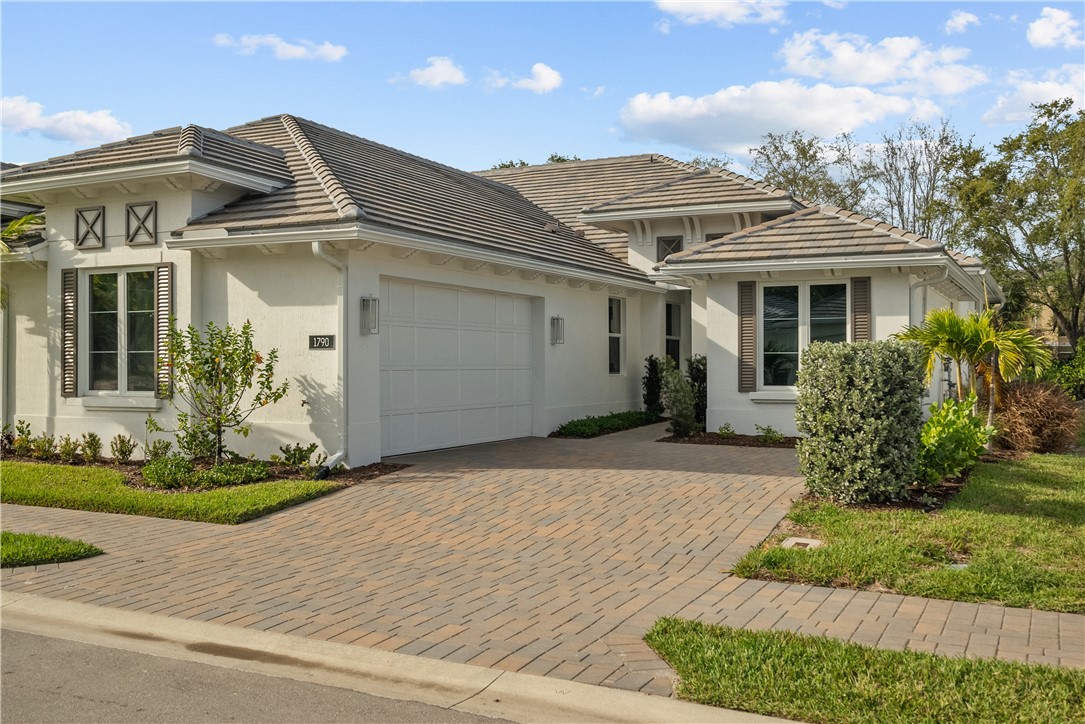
[(27, 337), (890, 305)]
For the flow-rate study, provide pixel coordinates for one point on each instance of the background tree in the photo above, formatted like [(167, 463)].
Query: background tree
[(710, 161), (558, 158), (509, 164), (835, 173), (1024, 210)]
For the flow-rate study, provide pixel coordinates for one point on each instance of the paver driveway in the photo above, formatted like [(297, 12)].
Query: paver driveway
[(538, 555)]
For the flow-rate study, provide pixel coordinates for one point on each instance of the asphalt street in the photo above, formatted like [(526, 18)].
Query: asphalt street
[(55, 680)]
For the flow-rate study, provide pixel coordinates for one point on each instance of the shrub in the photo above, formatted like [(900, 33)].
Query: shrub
[(726, 430), (43, 447), (769, 434), (231, 474), (593, 426), (92, 447), (652, 387), (860, 416), (951, 442), (21, 443), (122, 447), (697, 374), (168, 472), (1070, 375), (295, 456), (1037, 417), (68, 449), (681, 403), (156, 449)]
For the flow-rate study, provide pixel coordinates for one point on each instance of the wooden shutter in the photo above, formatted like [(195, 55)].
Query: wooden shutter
[(69, 324), (747, 336), (163, 314), (861, 326)]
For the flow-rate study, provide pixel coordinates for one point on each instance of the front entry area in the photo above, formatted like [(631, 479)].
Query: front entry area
[(456, 366)]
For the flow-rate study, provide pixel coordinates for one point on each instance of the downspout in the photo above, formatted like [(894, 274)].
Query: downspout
[(340, 455)]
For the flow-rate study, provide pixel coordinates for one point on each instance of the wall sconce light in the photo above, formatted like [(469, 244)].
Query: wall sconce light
[(370, 317), (557, 330)]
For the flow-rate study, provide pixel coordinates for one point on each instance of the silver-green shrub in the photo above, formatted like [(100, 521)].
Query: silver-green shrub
[(860, 414)]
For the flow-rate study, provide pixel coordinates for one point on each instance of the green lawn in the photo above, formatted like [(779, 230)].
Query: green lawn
[(30, 549), (103, 490), (1020, 527), (816, 679)]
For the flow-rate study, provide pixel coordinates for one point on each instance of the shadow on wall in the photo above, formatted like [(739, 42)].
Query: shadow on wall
[(324, 407)]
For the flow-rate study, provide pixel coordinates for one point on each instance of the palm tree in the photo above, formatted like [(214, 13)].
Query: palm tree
[(995, 353), (12, 232)]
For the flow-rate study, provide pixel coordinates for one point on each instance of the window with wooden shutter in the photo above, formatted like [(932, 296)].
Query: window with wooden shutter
[(163, 313), (69, 324), (747, 336), (861, 327)]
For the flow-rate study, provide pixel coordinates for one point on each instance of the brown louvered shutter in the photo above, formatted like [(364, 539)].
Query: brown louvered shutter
[(861, 327), (69, 324), (747, 336), (163, 313)]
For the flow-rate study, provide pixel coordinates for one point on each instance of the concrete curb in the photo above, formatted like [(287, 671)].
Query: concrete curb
[(466, 688)]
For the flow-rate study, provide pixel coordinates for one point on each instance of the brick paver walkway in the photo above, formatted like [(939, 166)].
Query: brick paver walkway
[(543, 556)]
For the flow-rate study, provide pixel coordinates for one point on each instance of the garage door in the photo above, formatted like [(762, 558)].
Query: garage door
[(455, 366)]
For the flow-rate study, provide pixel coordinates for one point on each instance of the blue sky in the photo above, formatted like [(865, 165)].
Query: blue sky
[(470, 84)]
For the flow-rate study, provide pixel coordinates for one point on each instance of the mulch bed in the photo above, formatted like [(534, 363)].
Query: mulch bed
[(134, 477), (736, 440)]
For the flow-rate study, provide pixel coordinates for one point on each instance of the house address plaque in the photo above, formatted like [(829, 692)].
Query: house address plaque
[(321, 341)]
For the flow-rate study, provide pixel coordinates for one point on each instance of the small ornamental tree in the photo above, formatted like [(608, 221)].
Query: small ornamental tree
[(213, 373), (697, 374)]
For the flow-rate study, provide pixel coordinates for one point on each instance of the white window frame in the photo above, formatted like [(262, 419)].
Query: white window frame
[(122, 392), (804, 320), (620, 335)]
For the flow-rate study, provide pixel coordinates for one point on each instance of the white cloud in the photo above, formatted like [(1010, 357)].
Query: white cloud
[(22, 115), (441, 71), (594, 92), (725, 14), (734, 118), (901, 64), (1025, 90), (1055, 28), (301, 50), (959, 21), (543, 79), (834, 4)]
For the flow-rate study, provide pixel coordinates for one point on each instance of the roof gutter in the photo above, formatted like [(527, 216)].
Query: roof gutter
[(221, 238), (590, 216), (923, 285), (811, 263), (340, 455)]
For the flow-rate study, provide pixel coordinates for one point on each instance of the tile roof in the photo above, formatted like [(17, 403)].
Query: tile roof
[(703, 187), (342, 177), (165, 145), (814, 232), (566, 189)]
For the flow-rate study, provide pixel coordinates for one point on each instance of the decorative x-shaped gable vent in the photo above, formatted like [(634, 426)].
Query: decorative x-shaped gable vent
[(139, 223), (90, 228)]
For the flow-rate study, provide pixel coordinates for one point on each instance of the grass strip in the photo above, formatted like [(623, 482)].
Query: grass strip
[(816, 679), (1019, 525), (104, 491), (31, 549)]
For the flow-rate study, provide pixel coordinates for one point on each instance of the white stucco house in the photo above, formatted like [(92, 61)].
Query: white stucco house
[(415, 306)]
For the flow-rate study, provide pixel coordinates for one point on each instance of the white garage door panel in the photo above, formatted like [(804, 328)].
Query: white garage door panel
[(455, 367)]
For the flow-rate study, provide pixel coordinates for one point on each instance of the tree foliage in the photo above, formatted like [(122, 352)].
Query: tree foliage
[(519, 163), (1023, 208), (710, 162), (824, 172), (212, 374)]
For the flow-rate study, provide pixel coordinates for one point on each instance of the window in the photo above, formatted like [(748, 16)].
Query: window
[(716, 235), (667, 245), (120, 331), (672, 333), (793, 315), (113, 328), (614, 332)]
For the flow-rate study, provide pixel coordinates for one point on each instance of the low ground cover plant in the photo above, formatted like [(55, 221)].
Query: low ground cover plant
[(769, 434), (31, 549), (816, 679), (952, 440), (1016, 524), (596, 425)]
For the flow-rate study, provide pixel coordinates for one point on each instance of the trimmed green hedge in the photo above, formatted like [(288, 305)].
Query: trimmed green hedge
[(594, 426)]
